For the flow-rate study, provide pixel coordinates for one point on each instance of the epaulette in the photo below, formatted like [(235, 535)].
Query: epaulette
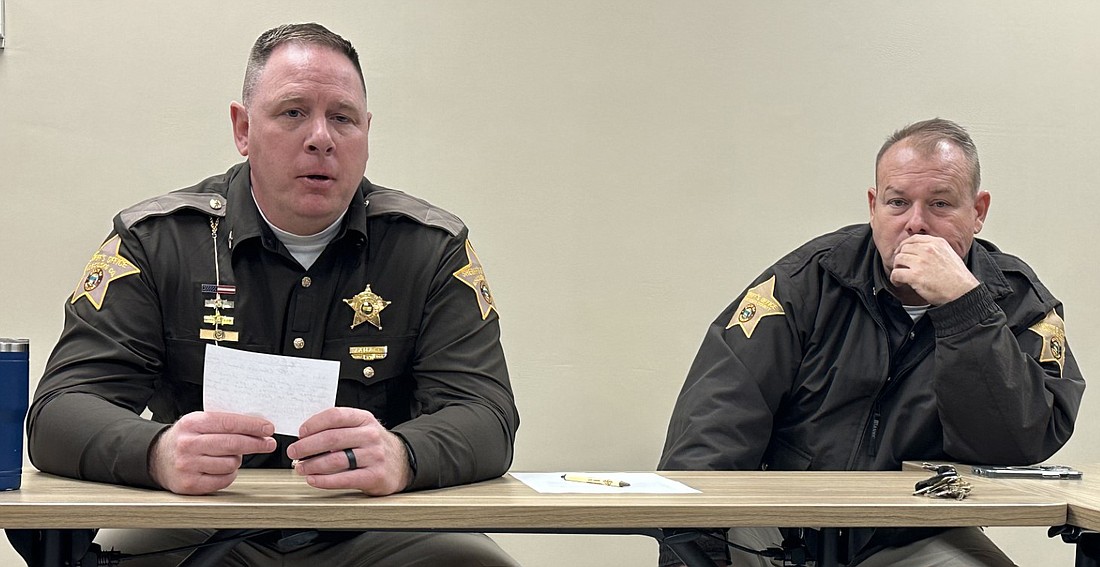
[(206, 203), (383, 201)]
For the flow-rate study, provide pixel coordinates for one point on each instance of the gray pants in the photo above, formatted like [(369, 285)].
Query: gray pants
[(369, 549), (959, 547)]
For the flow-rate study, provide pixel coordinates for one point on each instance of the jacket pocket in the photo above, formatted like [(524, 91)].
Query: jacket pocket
[(783, 456)]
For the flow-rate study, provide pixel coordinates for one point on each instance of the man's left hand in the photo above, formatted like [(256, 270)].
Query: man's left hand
[(931, 268), (381, 460)]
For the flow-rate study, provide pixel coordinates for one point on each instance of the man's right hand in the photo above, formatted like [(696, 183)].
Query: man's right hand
[(202, 452)]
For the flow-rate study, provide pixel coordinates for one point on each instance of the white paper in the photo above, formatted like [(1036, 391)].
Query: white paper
[(285, 390), (640, 483)]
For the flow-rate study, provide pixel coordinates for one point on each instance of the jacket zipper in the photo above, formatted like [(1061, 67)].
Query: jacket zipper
[(874, 418), (891, 383)]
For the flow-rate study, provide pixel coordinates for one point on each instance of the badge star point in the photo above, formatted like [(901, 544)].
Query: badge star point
[(473, 275), (106, 266), (759, 302), (368, 307), (1053, 331)]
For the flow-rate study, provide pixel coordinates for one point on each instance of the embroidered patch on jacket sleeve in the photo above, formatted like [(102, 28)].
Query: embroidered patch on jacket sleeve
[(1053, 331), (106, 266), (759, 302), (473, 275)]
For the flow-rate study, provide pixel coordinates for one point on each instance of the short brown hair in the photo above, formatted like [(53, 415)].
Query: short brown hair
[(309, 34), (925, 137)]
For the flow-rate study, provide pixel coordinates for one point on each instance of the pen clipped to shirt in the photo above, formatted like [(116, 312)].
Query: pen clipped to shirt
[(592, 480)]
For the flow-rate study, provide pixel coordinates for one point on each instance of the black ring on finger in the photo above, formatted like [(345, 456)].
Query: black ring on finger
[(352, 464)]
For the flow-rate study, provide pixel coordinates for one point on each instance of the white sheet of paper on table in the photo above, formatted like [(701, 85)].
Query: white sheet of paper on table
[(640, 483), (285, 390)]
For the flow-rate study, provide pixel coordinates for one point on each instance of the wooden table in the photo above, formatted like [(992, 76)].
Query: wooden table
[(279, 499), (1083, 511), (1081, 496)]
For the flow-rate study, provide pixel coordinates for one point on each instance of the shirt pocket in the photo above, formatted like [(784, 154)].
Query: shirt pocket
[(180, 388), (375, 375)]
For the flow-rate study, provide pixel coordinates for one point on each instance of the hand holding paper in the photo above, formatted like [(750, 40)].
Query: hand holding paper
[(202, 452), (348, 448)]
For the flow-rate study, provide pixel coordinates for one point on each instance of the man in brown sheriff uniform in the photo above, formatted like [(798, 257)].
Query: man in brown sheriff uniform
[(291, 253), (904, 339)]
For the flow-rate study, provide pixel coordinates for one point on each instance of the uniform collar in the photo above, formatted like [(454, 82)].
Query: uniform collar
[(855, 261), (245, 223)]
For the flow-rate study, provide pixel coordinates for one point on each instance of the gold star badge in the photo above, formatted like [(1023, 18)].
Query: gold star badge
[(758, 302), (1053, 331), (105, 266), (367, 306), (473, 275)]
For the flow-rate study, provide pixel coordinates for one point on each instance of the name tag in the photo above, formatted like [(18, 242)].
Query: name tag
[(368, 352)]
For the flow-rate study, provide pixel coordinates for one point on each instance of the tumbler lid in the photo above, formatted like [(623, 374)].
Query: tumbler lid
[(14, 345)]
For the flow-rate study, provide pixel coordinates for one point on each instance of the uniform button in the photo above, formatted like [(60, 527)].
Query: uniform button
[(216, 204), (306, 281), (299, 343), (368, 372)]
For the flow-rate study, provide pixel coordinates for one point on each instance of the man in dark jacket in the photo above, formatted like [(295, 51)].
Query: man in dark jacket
[(904, 339), (292, 253)]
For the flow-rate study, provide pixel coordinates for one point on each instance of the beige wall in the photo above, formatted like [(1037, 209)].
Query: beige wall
[(626, 166)]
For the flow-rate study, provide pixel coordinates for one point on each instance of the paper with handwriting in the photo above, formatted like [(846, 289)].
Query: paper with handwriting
[(285, 390)]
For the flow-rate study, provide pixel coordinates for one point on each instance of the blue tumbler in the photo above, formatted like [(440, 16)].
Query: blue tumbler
[(14, 387)]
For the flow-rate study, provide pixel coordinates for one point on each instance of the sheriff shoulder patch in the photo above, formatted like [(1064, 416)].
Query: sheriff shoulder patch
[(759, 302), (106, 266), (473, 275), (1053, 331)]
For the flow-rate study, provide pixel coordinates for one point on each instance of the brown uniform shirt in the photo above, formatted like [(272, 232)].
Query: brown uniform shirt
[(138, 323)]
